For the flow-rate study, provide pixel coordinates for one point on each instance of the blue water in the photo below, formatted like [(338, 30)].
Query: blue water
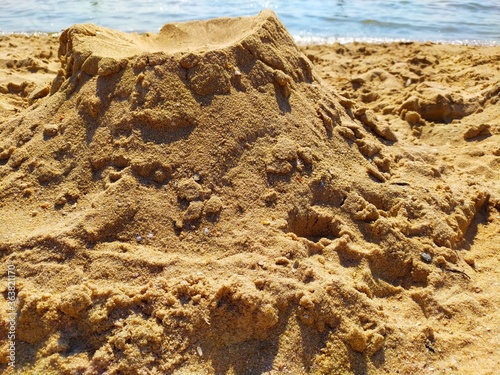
[(472, 22)]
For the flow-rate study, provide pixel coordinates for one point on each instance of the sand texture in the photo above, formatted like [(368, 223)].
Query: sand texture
[(213, 199)]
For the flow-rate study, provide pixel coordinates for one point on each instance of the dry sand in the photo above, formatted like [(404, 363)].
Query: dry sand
[(206, 201)]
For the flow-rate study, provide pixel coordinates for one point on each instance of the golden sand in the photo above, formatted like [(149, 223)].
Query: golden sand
[(214, 199)]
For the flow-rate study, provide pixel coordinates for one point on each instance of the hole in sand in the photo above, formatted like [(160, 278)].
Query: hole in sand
[(313, 223)]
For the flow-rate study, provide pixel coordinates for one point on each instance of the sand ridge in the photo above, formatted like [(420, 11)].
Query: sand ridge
[(223, 209)]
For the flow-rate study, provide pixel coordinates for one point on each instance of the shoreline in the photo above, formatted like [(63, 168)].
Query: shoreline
[(321, 40)]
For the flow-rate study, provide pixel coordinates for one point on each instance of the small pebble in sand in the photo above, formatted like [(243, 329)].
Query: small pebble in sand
[(50, 130), (426, 257)]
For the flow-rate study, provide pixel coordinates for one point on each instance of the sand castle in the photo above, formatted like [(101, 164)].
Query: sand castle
[(201, 195)]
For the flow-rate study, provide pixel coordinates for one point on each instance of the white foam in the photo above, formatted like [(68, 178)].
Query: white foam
[(313, 39)]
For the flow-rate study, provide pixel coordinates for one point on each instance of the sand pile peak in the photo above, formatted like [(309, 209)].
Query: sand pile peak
[(201, 190), (224, 43)]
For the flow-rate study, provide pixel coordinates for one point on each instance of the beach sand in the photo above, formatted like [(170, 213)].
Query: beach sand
[(214, 199)]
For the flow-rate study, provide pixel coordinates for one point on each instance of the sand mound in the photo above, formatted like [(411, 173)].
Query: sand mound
[(187, 200)]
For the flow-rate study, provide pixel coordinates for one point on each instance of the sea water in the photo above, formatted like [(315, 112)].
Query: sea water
[(470, 22)]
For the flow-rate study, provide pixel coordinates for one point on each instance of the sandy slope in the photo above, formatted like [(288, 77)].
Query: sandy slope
[(159, 223), (460, 139)]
